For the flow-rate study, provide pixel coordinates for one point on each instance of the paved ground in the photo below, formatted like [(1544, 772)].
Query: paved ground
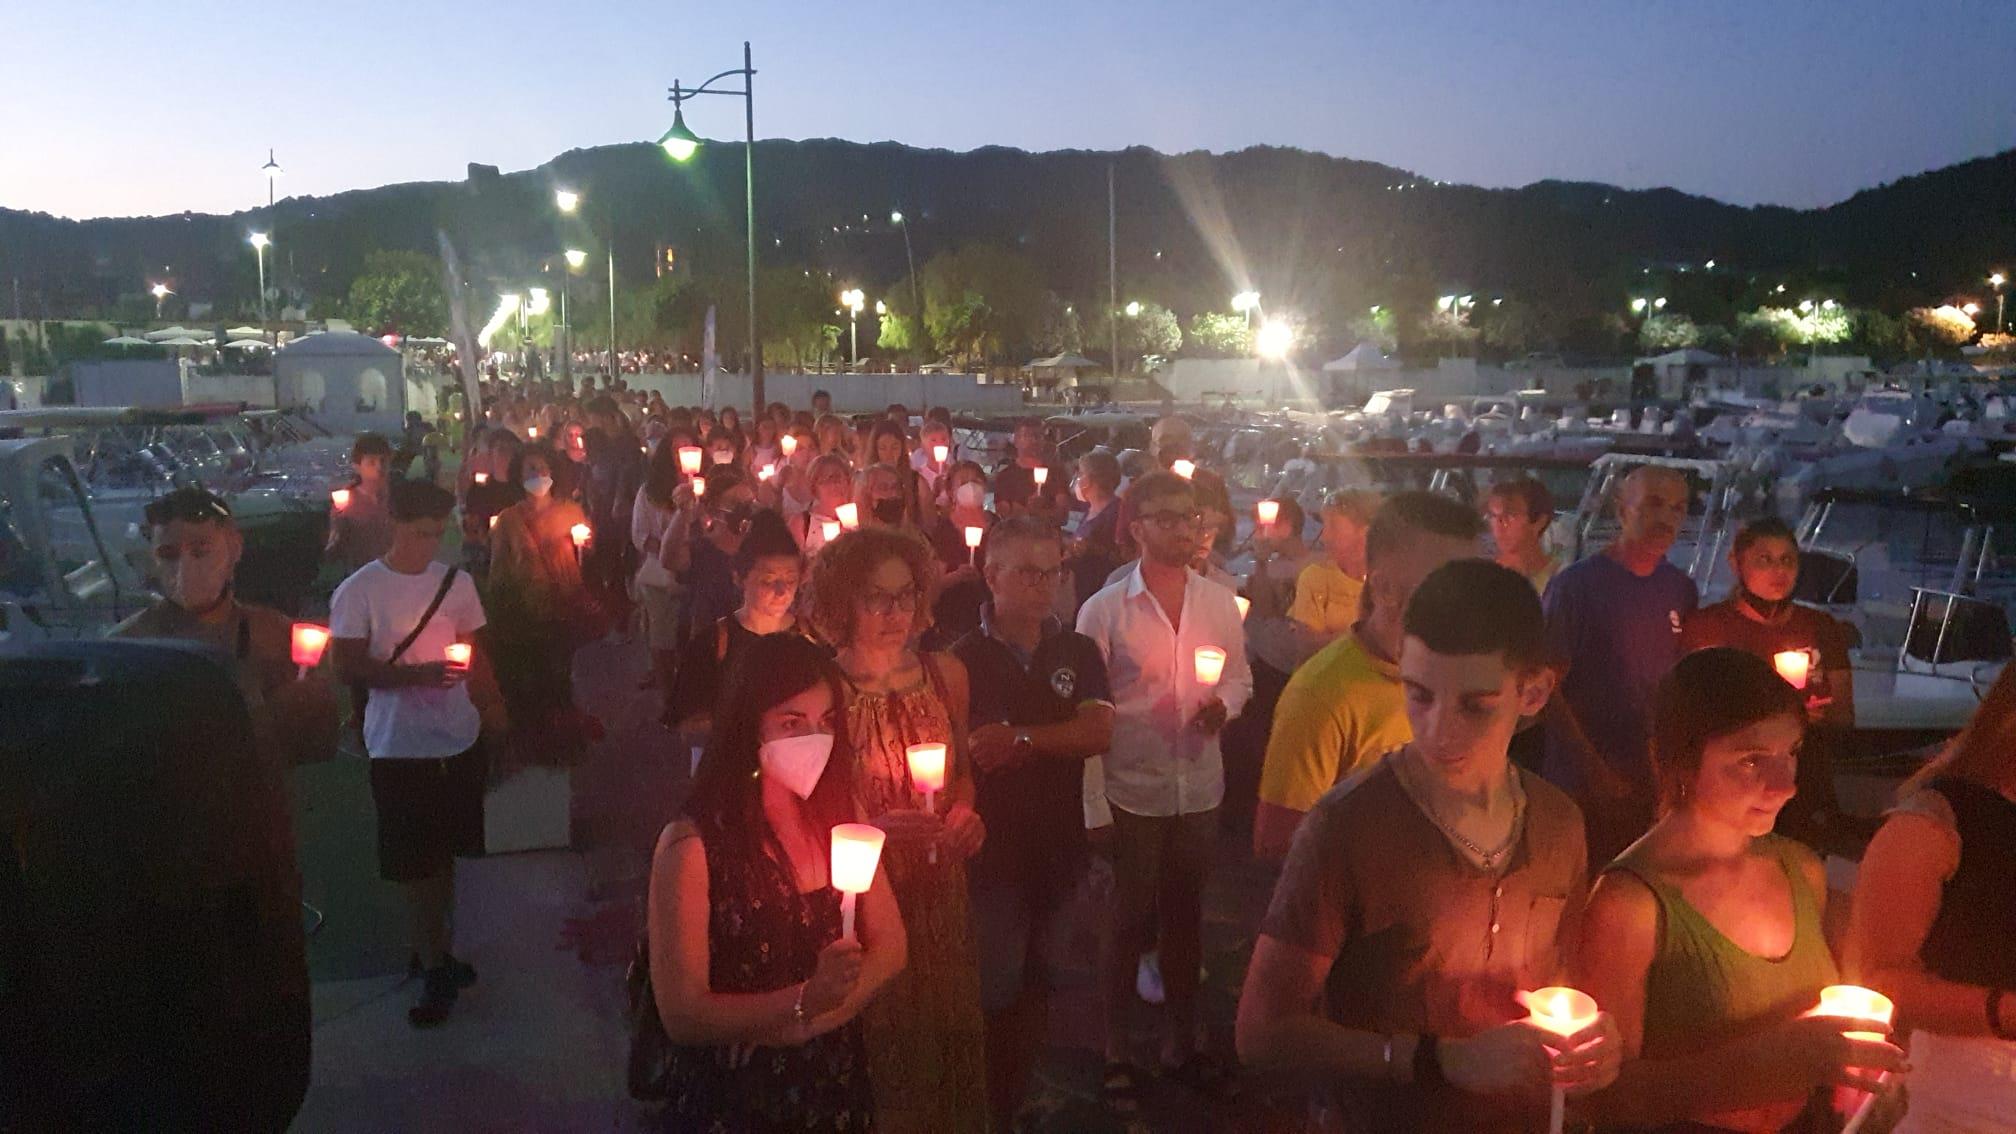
[(539, 1043)]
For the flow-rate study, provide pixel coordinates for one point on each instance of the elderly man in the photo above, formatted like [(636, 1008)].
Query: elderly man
[(1614, 620)]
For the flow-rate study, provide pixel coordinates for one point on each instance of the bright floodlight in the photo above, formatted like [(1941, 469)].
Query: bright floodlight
[(1971, 308), (881, 308), (679, 142), (259, 240), (1275, 339), (1246, 301), (1998, 279), (576, 257), (1133, 310), (1828, 305), (160, 291), (1638, 305), (541, 302), (895, 216), (1659, 303), (853, 300), (567, 199)]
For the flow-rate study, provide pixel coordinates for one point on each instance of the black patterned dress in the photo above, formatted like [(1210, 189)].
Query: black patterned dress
[(763, 935)]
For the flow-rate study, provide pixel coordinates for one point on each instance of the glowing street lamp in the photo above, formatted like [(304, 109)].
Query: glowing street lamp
[(1275, 340), (1972, 309), (680, 144), (567, 200), (854, 301), (1996, 281), (575, 258), (1246, 303), (259, 241), (1133, 310), (160, 292)]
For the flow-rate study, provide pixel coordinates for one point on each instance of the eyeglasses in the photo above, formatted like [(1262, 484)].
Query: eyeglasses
[(884, 603), (1171, 521), (1037, 576)]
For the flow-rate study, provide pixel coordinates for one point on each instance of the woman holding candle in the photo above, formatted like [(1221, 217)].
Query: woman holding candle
[(1705, 938), (754, 985), (1935, 923), (868, 599), (958, 533), (360, 529), (768, 569), (832, 484), (882, 499), (537, 601)]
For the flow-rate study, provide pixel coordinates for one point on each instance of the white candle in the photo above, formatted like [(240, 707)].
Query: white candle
[(459, 654), (1210, 663), (309, 642), (849, 515), (689, 459), (1267, 511), (699, 487), (829, 530), (1853, 1002), (532, 433), (1042, 475), (766, 472), (581, 534), (857, 847), (1792, 665), (482, 478), (1184, 469), (973, 538), (1244, 604), (927, 772), (1564, 1012), (939, 453), (340, 498), (788, 444)]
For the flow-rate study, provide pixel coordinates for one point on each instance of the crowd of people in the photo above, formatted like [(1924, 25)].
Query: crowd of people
[(1478, 771)]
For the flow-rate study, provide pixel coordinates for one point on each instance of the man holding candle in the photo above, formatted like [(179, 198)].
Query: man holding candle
[(1164, 776), (390, 625), (1342, 709), (361, 529), (1015, 486), (1422, 895), (1039, 704)]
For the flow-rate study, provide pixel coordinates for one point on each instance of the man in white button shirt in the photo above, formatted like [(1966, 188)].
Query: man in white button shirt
[(1164, 777)]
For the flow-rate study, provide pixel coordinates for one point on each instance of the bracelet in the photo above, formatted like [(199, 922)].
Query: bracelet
[(1995, 1014), (1389, 1058), (798, 1005), (1428, 1062)]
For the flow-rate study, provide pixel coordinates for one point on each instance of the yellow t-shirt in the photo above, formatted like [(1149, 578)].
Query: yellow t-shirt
[(1341, 711), (1326, 599)]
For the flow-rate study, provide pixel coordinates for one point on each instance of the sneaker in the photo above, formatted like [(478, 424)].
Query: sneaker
[(437, 999), (463, 972)]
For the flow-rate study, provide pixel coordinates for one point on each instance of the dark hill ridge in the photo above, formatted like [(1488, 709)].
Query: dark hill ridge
[(1319, 233)]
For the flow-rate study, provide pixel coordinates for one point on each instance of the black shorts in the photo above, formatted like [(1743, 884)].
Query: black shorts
[(430, 812)]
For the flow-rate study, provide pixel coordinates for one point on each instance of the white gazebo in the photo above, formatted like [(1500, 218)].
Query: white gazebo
[(346, 381), (1348, 375)]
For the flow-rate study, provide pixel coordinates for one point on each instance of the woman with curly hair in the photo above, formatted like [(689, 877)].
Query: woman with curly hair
[(870, 592)]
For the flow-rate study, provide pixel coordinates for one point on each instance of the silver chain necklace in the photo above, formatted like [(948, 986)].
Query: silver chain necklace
[(1488, 859)]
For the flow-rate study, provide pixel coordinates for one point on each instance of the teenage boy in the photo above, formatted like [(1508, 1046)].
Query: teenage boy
[(361, 529), (391, 624), (1039, 707), (1420, 896)]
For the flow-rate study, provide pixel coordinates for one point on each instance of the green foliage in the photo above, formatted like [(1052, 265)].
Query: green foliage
[(796, 313), (1512, 328), (1059, 330), (1939, 330), (1217, 334), (1662, 333), (1153, 331), (399, 291), (1715, 338), (982, 303)]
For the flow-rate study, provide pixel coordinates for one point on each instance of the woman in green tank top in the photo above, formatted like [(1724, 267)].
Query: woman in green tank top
[(1704, 940)]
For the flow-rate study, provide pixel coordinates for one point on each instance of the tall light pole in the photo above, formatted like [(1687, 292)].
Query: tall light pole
[(160, 292), (259, 241), (272, 171), (681, 143), (575, 258), (853, 301), (897, 218), (1997, 280)]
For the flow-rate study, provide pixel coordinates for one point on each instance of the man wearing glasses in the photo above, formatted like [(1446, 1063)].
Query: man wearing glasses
[(1164, 774), (1039, 706)]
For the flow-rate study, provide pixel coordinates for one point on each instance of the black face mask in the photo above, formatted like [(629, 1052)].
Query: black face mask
[(889, 511)]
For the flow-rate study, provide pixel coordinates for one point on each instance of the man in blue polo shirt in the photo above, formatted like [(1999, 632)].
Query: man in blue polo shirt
[(1039, 707)]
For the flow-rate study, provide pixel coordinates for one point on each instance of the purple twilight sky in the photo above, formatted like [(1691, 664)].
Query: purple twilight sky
[(122, 108)]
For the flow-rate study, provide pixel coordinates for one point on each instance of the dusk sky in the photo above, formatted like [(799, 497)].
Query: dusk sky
[(122, 108)]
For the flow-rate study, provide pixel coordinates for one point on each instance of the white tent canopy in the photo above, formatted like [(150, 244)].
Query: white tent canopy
[(1066, 361), (176, 332), (246, 332), (1364, 356), (1685, 356), (249, 344)]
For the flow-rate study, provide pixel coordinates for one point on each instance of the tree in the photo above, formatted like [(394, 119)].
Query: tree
[(799, 325), (1153, 331), (1216, 334), (1060, 330), (1939, 330), (1661, 333), (981, 302), (398, 292), (1511, 327)]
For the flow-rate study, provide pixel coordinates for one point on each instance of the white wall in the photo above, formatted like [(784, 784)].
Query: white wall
[(852, 393), (148, 382)]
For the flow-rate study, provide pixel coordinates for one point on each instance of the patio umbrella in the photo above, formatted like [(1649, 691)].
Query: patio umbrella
[(185, 340), (245, 332), (176, 332), (249, 344), (127, 340)]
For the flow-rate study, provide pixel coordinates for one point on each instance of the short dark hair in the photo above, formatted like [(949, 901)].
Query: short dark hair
[(1103, 467), (1763, 527), (601, 405), (1159, 483), (1407, 514), (370, 445), (1471, 607), (189, 504), (939, 414), (767, 538), (1529, 493), (1709, 694), (1024, 528), (420, 500), (817, 394)]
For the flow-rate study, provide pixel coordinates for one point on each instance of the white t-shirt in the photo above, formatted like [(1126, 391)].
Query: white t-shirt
[(382, 606)]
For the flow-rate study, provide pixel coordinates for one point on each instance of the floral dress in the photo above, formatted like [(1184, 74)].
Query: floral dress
[(763, 935), (926, 1053)]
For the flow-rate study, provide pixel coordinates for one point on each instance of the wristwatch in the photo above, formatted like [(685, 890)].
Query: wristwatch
[(1025, 745)]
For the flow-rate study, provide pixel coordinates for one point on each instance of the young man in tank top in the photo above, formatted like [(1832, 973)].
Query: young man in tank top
[(1422, 894)]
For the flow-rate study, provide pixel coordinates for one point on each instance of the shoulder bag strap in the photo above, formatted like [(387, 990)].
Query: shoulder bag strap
[(447, 581)]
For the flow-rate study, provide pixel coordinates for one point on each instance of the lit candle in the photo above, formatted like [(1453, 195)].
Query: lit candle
[(493, 523), (458, 655), (1564, 1012), (1244, 604), (581, 533), (829, 530), (788, 444), (1041, 474), (927, 772), (1210, 663), (849, 515), (689, 459), (309, 642), (699, 487), (1184, 469), (1792, 665), (482, 478), (340, 499), (973, 538), (1267, 511), (532, 433), (857, 847), (1852, 1002), (940, 453)]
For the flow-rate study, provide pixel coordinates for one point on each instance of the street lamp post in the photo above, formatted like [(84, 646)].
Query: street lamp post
[(575, 258), (160, 292), (1246, 303), (259, 241), (1996, 281), (681, 143), (916, 305), (853, 301)]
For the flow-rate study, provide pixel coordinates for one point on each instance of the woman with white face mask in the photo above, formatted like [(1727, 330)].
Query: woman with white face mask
[(754, 985), (962, 506), (536, 602)]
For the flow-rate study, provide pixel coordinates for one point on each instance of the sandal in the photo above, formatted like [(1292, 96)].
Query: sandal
[(1120, 1087)]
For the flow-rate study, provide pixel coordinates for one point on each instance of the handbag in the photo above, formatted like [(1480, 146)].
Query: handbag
[(360, 693), (649, 1070)]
